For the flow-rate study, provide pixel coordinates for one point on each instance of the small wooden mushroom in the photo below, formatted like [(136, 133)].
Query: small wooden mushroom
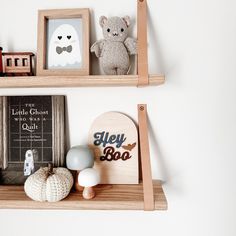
[(88, 178), (79, 158)]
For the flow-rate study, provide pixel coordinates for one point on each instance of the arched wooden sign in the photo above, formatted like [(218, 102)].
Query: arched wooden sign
[(114, 140)]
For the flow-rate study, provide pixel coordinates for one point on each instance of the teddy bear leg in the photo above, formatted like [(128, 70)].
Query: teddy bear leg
[(122, 71), (110, 71)]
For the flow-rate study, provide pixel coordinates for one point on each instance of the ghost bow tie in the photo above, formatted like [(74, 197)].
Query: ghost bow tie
[(59, 50)]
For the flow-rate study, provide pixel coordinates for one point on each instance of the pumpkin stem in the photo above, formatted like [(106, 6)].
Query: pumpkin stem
[(50, 169)]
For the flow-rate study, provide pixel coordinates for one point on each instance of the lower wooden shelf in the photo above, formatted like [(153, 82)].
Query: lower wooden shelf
[(109, 197), (76, 81)]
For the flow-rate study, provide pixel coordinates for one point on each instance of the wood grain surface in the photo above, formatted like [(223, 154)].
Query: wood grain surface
[(109, 197), (115, 133), (43, 16), (76, 81)]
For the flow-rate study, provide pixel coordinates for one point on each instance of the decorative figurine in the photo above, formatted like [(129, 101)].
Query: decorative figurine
[(79, 158), (29, 163), (49, 184), (1, 69), (30, 157), (88, 178), (16, 63), (115, 48)]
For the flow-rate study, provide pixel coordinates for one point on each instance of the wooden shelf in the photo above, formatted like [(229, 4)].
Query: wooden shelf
[(109, 197), (75, 81)]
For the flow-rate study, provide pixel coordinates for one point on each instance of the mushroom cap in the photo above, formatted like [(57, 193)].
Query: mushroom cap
[(79, 158), (88, 177)]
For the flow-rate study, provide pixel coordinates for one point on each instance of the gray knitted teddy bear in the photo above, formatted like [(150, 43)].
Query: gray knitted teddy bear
[(115, 48)]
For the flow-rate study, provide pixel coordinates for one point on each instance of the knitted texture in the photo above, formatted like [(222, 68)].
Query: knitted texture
[(52, 188), (114, 50)]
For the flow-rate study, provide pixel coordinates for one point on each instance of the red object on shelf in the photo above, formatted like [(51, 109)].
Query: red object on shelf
[(1, 70), (17, 63)]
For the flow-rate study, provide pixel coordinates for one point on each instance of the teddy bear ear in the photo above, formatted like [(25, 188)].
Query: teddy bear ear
[(102, 20), (126, 19)]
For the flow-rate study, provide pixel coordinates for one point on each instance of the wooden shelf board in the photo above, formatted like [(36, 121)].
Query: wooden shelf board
[(76, 81), (109, 197)]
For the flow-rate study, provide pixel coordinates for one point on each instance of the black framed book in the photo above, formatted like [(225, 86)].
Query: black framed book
[(32, 134)]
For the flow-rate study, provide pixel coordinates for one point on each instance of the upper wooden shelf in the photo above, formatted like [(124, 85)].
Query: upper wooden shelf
[(109, 197), (76, 81)]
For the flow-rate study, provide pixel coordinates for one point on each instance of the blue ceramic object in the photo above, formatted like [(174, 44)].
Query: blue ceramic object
[(79, 158)]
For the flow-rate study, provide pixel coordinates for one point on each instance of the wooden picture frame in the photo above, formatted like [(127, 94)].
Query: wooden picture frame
[(48, 140), (44, 17)]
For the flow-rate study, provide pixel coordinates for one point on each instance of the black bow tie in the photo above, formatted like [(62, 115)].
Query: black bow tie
[(59, 50)]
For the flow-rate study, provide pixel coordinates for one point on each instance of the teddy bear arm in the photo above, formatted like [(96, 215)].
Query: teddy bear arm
[(131, 45), (97, 48)]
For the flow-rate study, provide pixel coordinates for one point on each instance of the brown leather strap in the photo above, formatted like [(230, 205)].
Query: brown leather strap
[(145, 158), (143, 79)]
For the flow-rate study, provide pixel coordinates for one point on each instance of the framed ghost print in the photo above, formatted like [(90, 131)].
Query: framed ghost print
[(63, 42)]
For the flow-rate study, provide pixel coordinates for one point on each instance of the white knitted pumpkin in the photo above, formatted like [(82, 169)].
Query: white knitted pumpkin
[(49, 184)]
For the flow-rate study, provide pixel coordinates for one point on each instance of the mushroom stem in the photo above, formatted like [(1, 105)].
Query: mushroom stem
[(76, 185), (88, 193)]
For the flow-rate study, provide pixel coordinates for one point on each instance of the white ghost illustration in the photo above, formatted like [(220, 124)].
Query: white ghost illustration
[(64, 47)]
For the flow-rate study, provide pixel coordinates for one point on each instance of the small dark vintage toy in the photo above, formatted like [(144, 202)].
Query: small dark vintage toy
[(16, 63)]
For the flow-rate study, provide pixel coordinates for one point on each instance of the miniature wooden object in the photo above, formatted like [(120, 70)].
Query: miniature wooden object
[(113, 137), (77, 187), (1, 69), (17, 63), (88, 178), (79, 158)]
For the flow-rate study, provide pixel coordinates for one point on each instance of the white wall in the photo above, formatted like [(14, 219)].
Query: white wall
[(192, 117)]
